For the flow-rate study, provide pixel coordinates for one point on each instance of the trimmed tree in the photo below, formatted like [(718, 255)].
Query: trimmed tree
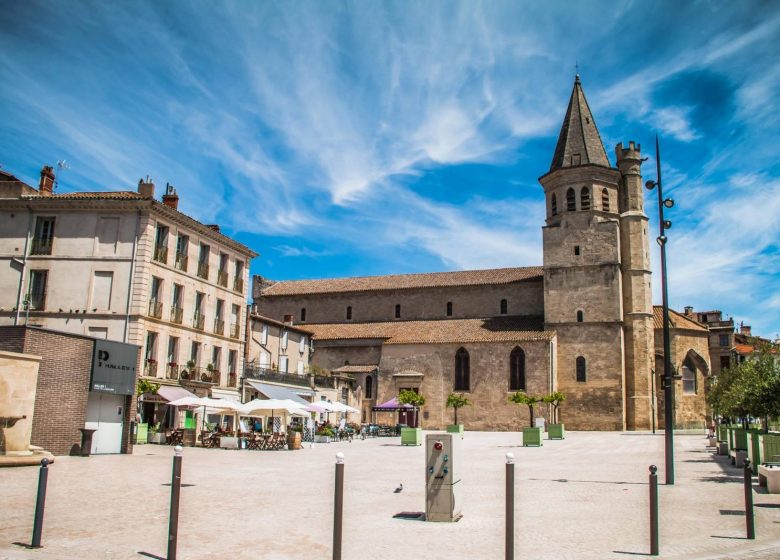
[(529, 400), (456, 401), (555, 399), (407, 396)]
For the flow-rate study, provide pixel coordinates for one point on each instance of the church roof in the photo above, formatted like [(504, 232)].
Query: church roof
[(579, 142), (443, 331), (405, 281), (676, 320)]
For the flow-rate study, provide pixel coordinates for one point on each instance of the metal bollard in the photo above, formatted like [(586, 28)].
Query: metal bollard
[(750, 520), (40, 503), (654, 547), (509, 546), (173, 519), (338, 506)]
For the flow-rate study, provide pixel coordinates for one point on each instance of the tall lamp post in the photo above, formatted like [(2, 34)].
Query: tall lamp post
[(668, 386)]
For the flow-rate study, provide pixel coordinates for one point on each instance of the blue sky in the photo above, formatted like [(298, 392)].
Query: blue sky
[(357, 138)]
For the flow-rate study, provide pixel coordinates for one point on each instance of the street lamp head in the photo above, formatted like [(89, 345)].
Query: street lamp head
[(650, 185), (669, 203), (667, 224), (661, 240)]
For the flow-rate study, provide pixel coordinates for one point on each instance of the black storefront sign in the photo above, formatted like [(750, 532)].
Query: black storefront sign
[(113, 367)]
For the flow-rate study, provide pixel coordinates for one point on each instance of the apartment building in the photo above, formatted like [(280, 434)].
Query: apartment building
[(124, 266)]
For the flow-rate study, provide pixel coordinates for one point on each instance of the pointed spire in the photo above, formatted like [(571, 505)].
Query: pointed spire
[(579, 142)]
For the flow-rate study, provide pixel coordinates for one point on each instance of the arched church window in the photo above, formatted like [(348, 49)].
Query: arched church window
[(554, 204), (303, 314), (605, 200), (517, 370), (689, 377), (349, 313), (580, 316), (369, 387), (462, 370), (571, 201), (582, 373), (585, 198), (503, 307)]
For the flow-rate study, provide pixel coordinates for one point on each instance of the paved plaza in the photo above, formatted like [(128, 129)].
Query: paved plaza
[(581, 498)]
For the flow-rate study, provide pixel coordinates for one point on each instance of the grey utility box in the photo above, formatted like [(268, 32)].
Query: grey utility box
[(442, 477)]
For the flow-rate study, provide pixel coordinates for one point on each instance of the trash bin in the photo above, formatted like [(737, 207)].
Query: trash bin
[(86, 441)]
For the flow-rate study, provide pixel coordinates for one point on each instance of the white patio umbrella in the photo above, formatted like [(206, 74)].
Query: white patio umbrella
[(262, 407), (208, 403)]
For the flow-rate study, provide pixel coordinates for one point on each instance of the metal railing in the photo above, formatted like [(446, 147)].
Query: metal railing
[(222, 278), (181, 261), (232, 379), (172, 370), (177, 314), (264, 374), (198, 321), (325, 381), (150, 368), (219, 326), (203, 270), (199, 374), (235, 330), (41, 246), (155, 309), (161, 254), (238, 285)]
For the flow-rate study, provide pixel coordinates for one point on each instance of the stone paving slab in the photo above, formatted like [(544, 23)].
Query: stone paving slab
[(585, 497)]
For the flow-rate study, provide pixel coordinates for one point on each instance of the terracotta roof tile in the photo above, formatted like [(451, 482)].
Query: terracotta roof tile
[(356, 369), (106, 195), (405, 281), (677, 320), (497, 329)]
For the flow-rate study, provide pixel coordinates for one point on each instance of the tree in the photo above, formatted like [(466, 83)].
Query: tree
[(144, 386), (456, 401), (555, 399), (407, 396), (529, 400)]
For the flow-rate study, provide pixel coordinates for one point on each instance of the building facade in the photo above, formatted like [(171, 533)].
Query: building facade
[(124, 266), (583, 323)]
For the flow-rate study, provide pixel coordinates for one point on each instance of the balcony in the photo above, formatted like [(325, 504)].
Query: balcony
[(263, 374), (198, 321), (238, 284), (172, 370), (325, 381), (41, 246), (222, 278), (219, 327), (233, 379), (150, 367), (203, 270), (199, 374), (235, 330), (161, 254), (155, 309), (37, 300), (177, 315), (181, 261)]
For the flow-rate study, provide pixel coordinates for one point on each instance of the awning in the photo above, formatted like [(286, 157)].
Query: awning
[(172, 393), (276, 392)]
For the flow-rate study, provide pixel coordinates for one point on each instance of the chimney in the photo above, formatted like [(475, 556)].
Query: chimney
[(688, 310), (46, 186), (288, 320), (215, 227), (744, 329), (170, 198), (146, 187)]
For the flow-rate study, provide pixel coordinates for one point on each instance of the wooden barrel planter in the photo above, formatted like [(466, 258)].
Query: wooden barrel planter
[(293, 440)]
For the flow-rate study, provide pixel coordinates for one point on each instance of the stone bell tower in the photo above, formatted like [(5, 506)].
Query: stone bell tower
[(583, 298)]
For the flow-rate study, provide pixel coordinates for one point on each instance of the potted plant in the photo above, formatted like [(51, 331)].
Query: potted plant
[(531, 435), (555, 429), (208, 376), (324, 433), (456, 401), (142, 428), (411, 436), (155, 435)]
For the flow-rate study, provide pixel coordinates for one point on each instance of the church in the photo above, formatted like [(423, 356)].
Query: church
[(582, 323)]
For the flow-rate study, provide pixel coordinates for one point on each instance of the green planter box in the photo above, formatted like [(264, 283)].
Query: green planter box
[(723, 432), (740, 439), (141, 433), (411, 436), (555, 431), (455, 429), (768, 447), (532, 437)]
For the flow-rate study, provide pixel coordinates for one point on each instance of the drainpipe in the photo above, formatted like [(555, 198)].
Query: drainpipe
[(132, 272), (23, 273)]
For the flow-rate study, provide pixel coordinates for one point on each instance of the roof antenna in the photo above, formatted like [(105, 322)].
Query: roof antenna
[(62, 165)]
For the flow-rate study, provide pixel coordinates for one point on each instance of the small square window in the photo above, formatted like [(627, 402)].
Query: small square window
[(576, 249)]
